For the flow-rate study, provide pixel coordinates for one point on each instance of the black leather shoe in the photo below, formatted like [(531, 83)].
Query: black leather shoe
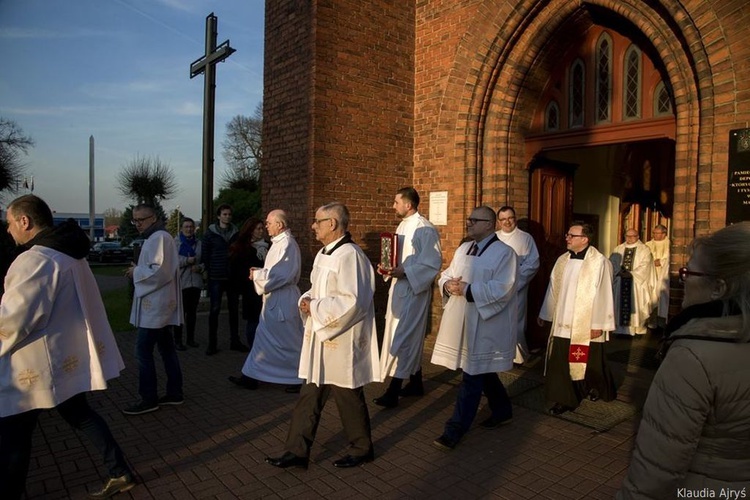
[(445, 443), (288, 459), (239, 347), (353, 461), (387, 400), (559, 409), (494, 422), (412, 389), (593, 395), (243, 381)]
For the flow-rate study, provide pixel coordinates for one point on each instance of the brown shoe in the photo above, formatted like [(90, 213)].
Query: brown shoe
[(114, 486)]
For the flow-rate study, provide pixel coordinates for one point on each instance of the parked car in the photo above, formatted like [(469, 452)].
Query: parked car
[(132, 250), (107, 251)]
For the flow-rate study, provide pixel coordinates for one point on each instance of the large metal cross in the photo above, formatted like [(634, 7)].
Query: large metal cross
[(207, 65)]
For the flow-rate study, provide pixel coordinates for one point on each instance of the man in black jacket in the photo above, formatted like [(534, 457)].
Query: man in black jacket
[(215, 260)]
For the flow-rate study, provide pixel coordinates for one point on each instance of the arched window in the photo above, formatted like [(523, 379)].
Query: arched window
[(552, 116), (632, 84), (576, 93), (662, 101), (604, 79)]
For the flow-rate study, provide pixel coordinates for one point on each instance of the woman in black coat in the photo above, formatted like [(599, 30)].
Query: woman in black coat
[(249, 250)]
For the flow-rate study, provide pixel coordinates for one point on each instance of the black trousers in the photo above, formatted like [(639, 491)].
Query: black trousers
[(468, 399), (306, 417), (190, 299), (15, 443), (558, 386), (216, 288)]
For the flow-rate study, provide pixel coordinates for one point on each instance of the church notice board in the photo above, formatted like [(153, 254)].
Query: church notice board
[(738, 183)]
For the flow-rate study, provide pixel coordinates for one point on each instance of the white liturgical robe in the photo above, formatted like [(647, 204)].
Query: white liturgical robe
[(528, 264), (157, 300), (479, 336), (278, 339), (660, 252), (641, 293), (340, 344), (55, 339), (578, 300), (409, 298)]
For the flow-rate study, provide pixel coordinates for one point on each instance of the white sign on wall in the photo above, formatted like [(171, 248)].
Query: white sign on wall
[(438, 209)]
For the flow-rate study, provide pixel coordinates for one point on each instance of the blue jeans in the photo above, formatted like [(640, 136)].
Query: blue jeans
[(16, 436), (144, 354), (467, 402), (216, 289)]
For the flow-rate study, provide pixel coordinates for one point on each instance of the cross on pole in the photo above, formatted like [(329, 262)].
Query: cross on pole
[(207, 65)]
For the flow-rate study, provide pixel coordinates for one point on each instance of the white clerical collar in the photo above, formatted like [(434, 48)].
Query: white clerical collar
[(280, 236), (502, 234), (332, 244), (632, 245)]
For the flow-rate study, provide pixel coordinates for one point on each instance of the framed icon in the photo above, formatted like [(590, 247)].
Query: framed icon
[(388, 250)]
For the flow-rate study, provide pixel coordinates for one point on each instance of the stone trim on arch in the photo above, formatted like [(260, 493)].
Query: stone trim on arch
[(493, 85)]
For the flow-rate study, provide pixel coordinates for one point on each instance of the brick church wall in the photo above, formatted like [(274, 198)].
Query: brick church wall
[(338, 117), (365, 96)]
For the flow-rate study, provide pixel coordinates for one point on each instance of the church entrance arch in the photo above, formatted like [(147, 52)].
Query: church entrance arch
[(600, 150)]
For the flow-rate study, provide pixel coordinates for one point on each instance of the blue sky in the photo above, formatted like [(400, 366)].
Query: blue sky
[(119, 70)]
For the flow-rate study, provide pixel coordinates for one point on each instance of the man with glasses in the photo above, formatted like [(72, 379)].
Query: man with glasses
[(340, 348), (528, 264), (478, 329), (216, 242), (418, 261), (634, 285), (157, 308), (659, 246), (579, 305), (278, 339)]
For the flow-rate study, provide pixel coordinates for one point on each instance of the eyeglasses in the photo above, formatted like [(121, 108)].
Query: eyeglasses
[(472, 220), (685, 272), (135, 221), (318, 221), (506, 218), (568, 235)]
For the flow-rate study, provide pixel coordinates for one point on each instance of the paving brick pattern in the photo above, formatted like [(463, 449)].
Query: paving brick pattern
[(214, 445)]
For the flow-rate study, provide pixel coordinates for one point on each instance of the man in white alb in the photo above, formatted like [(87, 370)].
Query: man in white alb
[(340, 348), (579, 305), (528, 264), (418, 262), (478, 328), (278, 339), (634, 285), (659, 246)]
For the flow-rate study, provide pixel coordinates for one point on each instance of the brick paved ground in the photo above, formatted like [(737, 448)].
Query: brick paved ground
[(213, 446)]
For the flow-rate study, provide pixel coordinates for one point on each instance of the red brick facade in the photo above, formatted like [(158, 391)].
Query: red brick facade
[(365, 96)]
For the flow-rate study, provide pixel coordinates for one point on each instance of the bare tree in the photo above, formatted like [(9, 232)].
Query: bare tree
[(13, 143), (147, 180), (242, 149), (112, 216)]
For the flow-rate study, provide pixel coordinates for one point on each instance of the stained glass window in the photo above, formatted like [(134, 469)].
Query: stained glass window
[(632, 86)]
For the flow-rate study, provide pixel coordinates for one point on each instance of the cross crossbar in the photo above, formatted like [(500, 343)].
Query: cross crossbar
[(222, 52)]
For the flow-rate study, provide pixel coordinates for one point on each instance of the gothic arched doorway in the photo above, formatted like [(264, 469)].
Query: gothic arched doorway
[(606, 111)]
